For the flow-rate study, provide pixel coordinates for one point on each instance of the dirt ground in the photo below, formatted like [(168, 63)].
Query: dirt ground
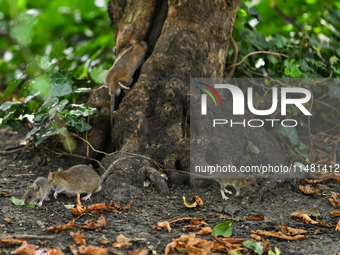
[(20, 169)]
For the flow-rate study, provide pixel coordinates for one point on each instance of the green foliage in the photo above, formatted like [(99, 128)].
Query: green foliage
[(50, 48), (292, 134), (307, 32), (19, 202), (223, 229), (255, 246), (277, 252)]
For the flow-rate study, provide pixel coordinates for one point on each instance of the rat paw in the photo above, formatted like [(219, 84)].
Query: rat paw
[(39, 204), (87, 197), (223, 195), (227, 191)]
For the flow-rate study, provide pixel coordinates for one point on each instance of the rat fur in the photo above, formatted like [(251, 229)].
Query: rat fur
[(79, 178), (120, 74), (38, 191)]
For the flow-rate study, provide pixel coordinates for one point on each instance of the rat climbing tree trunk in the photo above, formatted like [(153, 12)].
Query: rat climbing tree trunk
[(186, 39)]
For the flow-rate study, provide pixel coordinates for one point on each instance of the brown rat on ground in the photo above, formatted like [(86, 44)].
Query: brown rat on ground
[(120, 74), (79, 178), (237, 183), (39, 190)]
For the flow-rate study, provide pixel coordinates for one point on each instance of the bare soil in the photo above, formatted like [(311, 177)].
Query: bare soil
[(20, 169)]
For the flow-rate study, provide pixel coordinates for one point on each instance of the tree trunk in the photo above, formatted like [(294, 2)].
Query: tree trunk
[(186, 39)]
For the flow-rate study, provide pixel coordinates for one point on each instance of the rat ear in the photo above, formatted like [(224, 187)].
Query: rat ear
[(60, 169), (50, 175), (37, 188)]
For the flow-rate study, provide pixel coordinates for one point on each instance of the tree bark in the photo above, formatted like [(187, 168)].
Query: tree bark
[(186, 39)]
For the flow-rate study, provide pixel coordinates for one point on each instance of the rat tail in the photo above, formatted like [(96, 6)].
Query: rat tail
[(110, 167), (113, 98)]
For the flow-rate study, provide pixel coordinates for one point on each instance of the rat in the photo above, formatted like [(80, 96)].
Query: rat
[(120, 74), (237, 183), (79, 178), (39, 190)]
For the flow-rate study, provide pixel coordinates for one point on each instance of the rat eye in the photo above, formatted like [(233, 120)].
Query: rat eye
[(30, 197)]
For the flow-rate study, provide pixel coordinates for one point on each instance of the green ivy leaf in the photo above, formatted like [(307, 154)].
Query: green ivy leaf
[(32, 132), (61, 84), (291, 68), (58, 49), (289, 132), (302, 150), (257, 247), (7, 105), (98, 75), (280, 41), (22, 31), (17, 202), (334, 91), (10, 89), (223, 229), (41, 84)]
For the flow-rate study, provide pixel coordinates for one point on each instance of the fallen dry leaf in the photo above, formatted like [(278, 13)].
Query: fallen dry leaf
[(92, 224), (197, 200), (308, 189), (198, 246), (332, 157), (335, 176), (73, 249), (78, 237), (304, 218), (79, 210), (10, 241), (166, 224), (4, 193), (204, 230), (198, 221), (320, 142), (92, 250), (55, 251), (256, 237), (187, 228), (313, 181), (174, 244), (25, 249), (256, 217), (163, 224), (333, 199), (335, 213), (187, 204), (232, 240), (122, 239), (327, 225), (292, 231), (337, 228), (114, 205), (8, 220), (66, 226), (139, 252), (98, 208), (277, 234), (322, 186), (118, 245), (103, 240)]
